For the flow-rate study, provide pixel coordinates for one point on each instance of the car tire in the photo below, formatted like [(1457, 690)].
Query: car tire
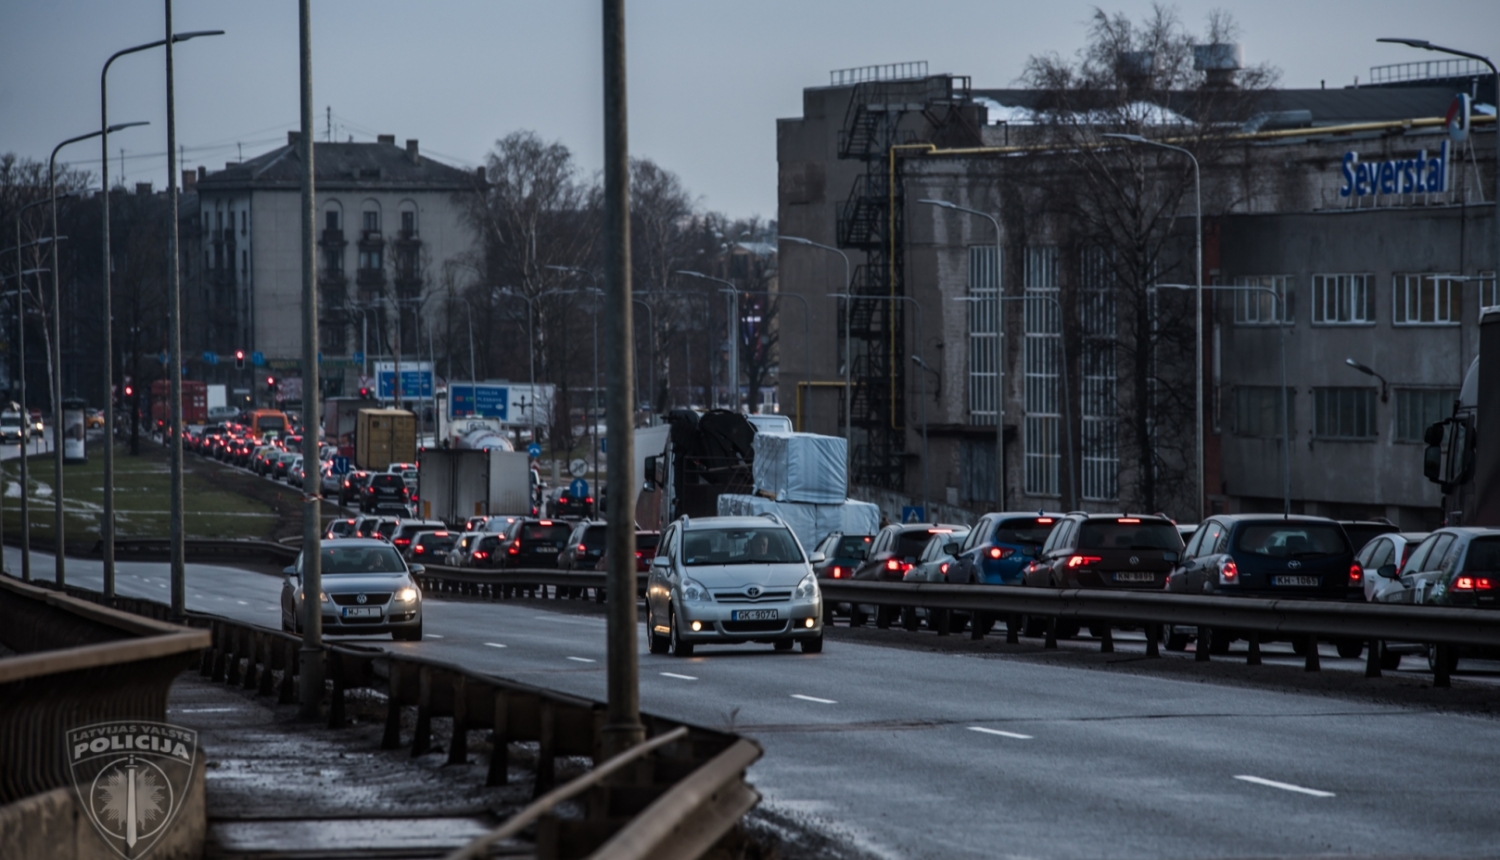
[(909, 619), (1389, 660), (1172, 640), (884, 615), (1432, 661), (679, 648), (655, 642), (1350, 648), (785, 644), (813, 646), (1033, 627)]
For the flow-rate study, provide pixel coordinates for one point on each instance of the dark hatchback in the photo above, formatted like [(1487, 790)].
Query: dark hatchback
[(384, 492), (896, 549), (1099, 551), (842, 555), (1000, 548), (584, 548), (532, 543), (1263, 555)]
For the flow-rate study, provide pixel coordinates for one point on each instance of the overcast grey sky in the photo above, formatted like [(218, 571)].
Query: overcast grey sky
[(708, 78)]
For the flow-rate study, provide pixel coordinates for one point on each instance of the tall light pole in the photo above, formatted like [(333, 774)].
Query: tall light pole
[(1198, 308), (999, 352), (848, 348), (107, 524), (1428, 46), (733, 371)]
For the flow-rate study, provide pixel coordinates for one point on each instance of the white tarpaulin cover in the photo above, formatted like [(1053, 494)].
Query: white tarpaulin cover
[(810, 523), (801, 467)]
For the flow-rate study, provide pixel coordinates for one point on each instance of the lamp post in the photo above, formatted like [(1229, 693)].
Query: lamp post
[(1385, 391), (107, 523), (1286, 433), (733, 371), (1428, 46), (848, 347), (530, 349), (58, 531), (999, 353), (1198, 310), (806, 327)]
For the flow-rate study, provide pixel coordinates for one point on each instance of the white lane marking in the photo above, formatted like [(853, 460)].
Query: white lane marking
[(201, 710), (1285, 786), (814, 699), (433, 636), (1019, 737), (582, 659), (675, 675), (242, 603), (494, 644)]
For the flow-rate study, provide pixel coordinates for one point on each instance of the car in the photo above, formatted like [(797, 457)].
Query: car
[(645, 551), (484, 551), (384, 492), (367, 588), (458, 554), (400, 468), (895, 549), (474, 524), (732, 580), (408, 529), (280, 465), (585, 546), (1361, 532), (93, 418), (340, 527), (431, 545), (934, 565), (352, 485), (12, 428), (375, 526), (500, 523), (842, 554), (1108, 551), (565, 506), (331, 482), (1382, 559), (294, 475), (532, 543), (999, 548), (1457, 566)]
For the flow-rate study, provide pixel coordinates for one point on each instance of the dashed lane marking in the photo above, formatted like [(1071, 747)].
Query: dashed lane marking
[(1285, 786), (680, 677), (1016, 735), (582, 660), (814, 699), (494, 644)]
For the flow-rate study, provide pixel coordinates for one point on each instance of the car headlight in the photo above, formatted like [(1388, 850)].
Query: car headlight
[(807, 589), (694, 592), (322, 595), (406, 595)]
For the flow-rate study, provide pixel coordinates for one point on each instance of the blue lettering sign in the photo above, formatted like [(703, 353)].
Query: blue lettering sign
[(1420, 175)]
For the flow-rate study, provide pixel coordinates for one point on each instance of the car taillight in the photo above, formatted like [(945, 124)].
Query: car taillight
[(892, 564), (561, 500), (1356, 573), (418, 549), (836, 572), (639, 554), (943, 568), (1083, 560), (588, 500), (515, 549), (1229, 572), (481, 554), (401, 541), (1001, 552), (582, 548), (370, 490)]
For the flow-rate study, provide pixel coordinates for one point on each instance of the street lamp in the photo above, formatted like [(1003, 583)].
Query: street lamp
[(848, 347), (107, 523), (1428, 46), (1385, 394), (999, 355), (1198, 313), (733, 371)]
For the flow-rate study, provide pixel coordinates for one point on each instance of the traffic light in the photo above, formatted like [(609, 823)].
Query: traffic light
[(129, 391), (364, 393), (239, 359)]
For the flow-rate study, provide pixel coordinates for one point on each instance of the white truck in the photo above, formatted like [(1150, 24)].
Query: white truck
[(454, 484)]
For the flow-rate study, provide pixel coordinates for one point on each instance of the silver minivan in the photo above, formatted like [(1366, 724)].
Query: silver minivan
[(732, 580)]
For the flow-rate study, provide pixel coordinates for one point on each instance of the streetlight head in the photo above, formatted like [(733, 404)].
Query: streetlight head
[(1415, 43), (1133, 138), (943, 203), (116, 127), (1359, 367), (690, 274), (193, 34), (797, 239)]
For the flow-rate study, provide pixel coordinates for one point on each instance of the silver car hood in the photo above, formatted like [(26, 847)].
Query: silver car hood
[(353, 583), (744, 575)]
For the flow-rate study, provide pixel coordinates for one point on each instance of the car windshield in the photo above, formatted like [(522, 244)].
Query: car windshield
[(1484, 556), (387, 481), (437, 543), (1293, 540), (594, 535), (911, 543), (1114, 534), (361, 559), (386, 528), (557, 532), (852, 546), (739, 546), (1023, 531), (646, 540)]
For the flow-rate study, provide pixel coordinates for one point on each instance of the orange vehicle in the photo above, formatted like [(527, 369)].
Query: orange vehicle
[(265, 423)]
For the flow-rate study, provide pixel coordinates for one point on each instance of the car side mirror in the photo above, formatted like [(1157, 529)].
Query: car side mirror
[(952, 547), (1169, 556), (661, 562), (817, 558), (417, 569), (289, 571), (1388, 571)]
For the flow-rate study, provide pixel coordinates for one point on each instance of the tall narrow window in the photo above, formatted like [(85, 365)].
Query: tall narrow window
[(1259, 307), (1042, 360), (1343, 299), (1344, 413), (1416, 408), (372, 221), (1099, 416), (1424, 300), (331, 220), (984, 288), (408, 222), (1488, 297)]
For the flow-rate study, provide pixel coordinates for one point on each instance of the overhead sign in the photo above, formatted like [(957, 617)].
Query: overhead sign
[(416, 379), (1420, 175), (210, 358), (479, 401)]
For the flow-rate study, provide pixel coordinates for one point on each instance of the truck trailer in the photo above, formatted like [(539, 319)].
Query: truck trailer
[(383, 437), (454, 484)]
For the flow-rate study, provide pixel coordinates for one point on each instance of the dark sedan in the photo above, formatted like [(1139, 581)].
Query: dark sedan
[(532, 543)]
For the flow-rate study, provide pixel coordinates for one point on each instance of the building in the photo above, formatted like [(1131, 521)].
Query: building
[(1368, 266), (391, 230)]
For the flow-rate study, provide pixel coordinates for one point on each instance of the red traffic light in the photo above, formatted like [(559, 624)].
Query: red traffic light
[(271, 380), (129, 391), (239, 355)]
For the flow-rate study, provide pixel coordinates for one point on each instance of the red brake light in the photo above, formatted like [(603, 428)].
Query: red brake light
[(1044, 521), (418, 549), (1083, 560), (944, 568), (515, 549), (1001, 552), (440, 534), (479, 553), (1356, 573), (1229, 571), (836, 572), (582, 548), (1463, 583), (562, 499), (1128, 520), (638, 554), (589, 500), (401, 541), (549, 522)]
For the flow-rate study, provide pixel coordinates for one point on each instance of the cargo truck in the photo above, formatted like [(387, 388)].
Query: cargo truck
[(194, 402), (383, 437), (454, 484), (691, 461), (341, 420), (1463, 451)]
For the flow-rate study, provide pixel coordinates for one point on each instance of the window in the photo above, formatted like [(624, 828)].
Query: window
[(1488, 295), (977, 464), (333, 260), (1292, 540), (984, 286), (1256, 307), (1425, 300), (372, 221), (1099, 419), (371, 259), (1042, 367), (1344, 413), (1256, 411), (244, 223), (408, 222), (1343, 299), (1416, 408), (331, 220)]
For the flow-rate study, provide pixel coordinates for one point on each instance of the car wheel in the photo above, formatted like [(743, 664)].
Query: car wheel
[(909, 619), (813, 646), (1432, 661), (785, 644), (1388, 658), (1172, 639), (884, 615), (679, 647), (655, 642), (1350, 648), (1033, 627)]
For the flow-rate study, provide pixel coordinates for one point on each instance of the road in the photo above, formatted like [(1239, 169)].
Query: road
[(913, 753)]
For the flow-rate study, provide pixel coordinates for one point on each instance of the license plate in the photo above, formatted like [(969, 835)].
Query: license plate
[(546, 550), (1295, 580), (1133, 576), (753, 615), (361, 611)]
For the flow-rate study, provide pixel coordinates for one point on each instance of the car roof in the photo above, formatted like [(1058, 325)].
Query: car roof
[(1295, 518), (695, 523), (360, 541)]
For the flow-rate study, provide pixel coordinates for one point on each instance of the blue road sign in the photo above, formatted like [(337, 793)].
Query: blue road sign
[(210, 358), (359, 358), (579, 489), (258, 359), (414, 383), (604, 444), (341, 465), (480, 401), (162, 357), (534, 450), (913, 514)]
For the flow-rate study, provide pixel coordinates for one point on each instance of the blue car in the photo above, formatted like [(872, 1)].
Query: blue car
[(1000, 547)]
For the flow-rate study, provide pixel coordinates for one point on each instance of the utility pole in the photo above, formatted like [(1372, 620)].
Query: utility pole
[(174, 350), (312, 549), (622, 728)]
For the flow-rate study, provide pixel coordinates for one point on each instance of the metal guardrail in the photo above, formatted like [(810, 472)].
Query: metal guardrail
[(1309, 620), (497, 583), (78, 663), (694, 777), (204, 549)]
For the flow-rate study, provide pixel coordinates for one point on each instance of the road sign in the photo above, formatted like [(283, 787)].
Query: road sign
[(341, 465), (358, 357), (913, 514), (258, 359), (162, 357), (479, 401), (579, 489), (534, 450), (604, 444), (210, 358), (578, 468)]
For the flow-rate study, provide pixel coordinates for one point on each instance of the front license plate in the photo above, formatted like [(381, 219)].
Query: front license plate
[(546, 550), (361, 611), (1295, 580), (753, 615), (1134, 576)]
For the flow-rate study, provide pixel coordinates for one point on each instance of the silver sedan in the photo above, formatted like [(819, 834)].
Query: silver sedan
[(367, 588)]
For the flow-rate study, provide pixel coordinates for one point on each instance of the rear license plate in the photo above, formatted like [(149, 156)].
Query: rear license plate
[(1134, 576), (753, 615), (1295, 580), (361, 612), (546, 550)]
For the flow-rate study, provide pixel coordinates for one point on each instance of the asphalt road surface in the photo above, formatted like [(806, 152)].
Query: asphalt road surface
[(914, 753)]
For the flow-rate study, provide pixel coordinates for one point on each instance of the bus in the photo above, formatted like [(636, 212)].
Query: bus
[(267, 424)]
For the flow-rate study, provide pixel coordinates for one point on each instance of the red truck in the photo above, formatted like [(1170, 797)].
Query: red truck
[(194, 402)]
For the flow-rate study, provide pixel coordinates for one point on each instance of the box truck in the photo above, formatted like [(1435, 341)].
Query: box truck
[(341, 420), (383, 437), (454, 484)]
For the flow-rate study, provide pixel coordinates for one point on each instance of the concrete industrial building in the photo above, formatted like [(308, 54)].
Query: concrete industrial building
[(1366, 273)]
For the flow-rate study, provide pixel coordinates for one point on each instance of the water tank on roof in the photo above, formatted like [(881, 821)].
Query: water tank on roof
[(1218, 57)]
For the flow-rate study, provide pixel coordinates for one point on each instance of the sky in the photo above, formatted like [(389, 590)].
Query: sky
[(708, 78)]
